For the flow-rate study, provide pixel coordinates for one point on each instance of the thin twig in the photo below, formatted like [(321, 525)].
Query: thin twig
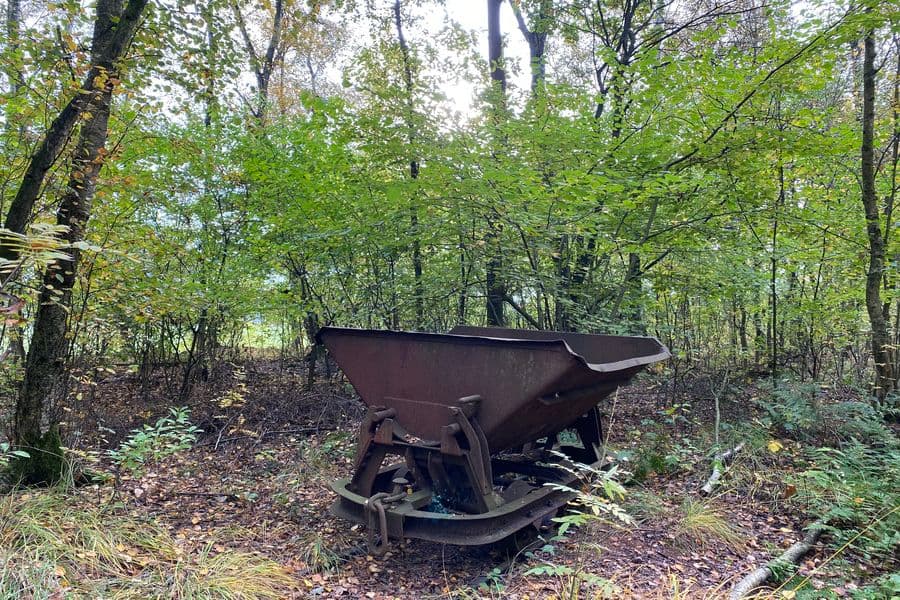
[(303, 431), (719, 463)]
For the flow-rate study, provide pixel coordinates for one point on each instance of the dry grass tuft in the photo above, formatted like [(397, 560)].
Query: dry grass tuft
[(699, 524), (678, 588), (52, 548), (318, 554), (644, 505)]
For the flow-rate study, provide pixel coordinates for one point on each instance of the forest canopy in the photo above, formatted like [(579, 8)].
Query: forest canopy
[(670, 168)]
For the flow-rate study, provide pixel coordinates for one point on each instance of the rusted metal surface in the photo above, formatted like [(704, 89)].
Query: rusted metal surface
[(532, 383), (474, 415), (411, 519)]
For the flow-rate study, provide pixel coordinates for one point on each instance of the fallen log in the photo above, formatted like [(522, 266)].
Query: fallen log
[(791, 556), (720, 461)]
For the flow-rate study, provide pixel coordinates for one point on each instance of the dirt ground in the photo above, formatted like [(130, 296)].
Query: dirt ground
[(258, 481)]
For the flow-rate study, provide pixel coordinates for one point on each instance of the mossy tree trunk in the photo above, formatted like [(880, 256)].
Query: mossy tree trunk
[(36, 432)]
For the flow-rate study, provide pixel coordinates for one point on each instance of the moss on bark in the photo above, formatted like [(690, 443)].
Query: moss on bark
[(45, 464)]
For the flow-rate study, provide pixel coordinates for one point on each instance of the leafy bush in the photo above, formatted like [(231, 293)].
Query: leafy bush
[(798, 411), (850, 475), (597, 498), (151, 443), (7, 453), (857, 420), (569, 582), (857, 488), (792, 410), (886, 587), (655, 453)]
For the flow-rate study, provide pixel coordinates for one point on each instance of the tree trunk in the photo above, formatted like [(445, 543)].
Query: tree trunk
[(113, 30), (881, 341), (536, 36), (413, 169), (627, 305), (210, 100), (11, 70), (44, 365), (494, 282), (773, 273), (264, 66), (892, 285)]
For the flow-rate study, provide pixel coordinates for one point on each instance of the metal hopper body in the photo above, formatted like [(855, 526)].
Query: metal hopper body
[(465, 410)]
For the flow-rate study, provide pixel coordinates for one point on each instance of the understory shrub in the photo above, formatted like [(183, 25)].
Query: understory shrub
[(857, 489), (151, 443), (801, 412)]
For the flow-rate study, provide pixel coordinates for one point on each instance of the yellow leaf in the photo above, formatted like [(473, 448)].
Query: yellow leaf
[(60, 571), (774, 446)]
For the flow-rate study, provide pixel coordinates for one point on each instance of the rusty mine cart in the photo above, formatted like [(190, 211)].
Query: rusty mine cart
[(475, 417)]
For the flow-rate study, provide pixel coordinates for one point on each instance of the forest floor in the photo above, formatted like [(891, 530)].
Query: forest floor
[(257, 483)]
